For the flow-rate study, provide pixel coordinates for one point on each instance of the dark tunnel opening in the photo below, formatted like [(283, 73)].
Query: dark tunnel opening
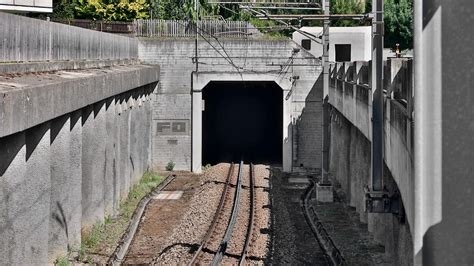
[(242, 120)]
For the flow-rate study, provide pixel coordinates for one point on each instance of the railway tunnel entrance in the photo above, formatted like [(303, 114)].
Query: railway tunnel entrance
[(242, 119)]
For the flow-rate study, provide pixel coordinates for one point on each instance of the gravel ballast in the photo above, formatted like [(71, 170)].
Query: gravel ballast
[(187, 235)]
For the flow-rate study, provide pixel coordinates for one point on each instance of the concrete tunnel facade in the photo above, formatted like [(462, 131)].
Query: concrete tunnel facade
[(178, 98)]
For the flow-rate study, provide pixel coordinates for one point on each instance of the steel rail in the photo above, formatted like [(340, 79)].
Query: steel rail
[(230, 227), (333, 254), (211, 228), (251, 216), (122, 248)]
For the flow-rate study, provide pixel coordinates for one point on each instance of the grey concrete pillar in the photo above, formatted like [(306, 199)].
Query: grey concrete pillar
[(115, 108), (147, 109), (287, 140), (110, 158), (12, 175), (197, 131), (124, 146), (75, 175), (93, 163), (136, 139), (25, 193), (34, 210), (61, 205)]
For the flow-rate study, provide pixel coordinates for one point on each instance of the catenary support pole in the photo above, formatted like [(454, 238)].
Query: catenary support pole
[(196, 8), (377, 96), (325, 148)]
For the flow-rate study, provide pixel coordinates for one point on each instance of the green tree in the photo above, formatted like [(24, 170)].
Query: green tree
[(111, 10), (347, 7), (63, 9), (398, 20), (182, 9)]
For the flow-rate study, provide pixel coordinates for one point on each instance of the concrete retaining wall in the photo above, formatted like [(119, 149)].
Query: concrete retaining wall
[(350, 151), (27, 39), (69, 167), (262, 58)]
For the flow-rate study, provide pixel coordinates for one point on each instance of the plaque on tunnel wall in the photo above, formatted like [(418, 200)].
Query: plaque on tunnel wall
[(172, 127)]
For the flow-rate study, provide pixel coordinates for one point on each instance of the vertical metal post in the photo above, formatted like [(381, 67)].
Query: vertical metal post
[(377, 96), (196, 8), (325, 148)]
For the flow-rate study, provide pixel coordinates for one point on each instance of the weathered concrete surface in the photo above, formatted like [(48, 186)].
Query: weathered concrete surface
[(350, 155), (30, 99), (70, 148), (93, 163), (62, 154), (27, 39), (174, 98), (62, 65)]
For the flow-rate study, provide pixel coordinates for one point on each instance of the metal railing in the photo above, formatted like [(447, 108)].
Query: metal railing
[(169, 28), (187, 29)]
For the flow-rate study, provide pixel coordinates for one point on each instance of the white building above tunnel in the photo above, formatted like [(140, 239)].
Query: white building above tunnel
[(20, 6), (345, 43)]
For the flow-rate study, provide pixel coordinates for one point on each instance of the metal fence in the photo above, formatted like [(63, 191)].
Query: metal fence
[(187, 29), (170, 28)]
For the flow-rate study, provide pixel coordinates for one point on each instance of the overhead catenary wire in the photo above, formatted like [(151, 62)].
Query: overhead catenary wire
[(223, 54), (306, 34)]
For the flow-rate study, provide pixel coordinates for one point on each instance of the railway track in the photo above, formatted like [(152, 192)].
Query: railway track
[(221, 215), (333, 255), (118, 255)]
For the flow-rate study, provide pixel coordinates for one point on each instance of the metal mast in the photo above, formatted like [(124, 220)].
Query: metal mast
[(325, 154), (196, 8), (377, 96)]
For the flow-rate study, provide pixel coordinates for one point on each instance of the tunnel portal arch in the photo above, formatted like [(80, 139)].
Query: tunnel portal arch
[(199, 83)]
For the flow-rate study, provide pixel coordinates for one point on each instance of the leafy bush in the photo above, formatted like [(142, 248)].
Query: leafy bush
[(170, 166), (111, 11)]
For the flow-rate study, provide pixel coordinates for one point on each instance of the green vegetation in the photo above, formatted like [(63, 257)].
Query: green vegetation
[(103, 237), (170, 166), (109, 10), (347, 7), (399, 23), (62, 261), (398, 14), (206, 167)]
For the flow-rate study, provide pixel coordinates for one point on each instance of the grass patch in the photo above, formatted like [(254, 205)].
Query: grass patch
[(62, 261), (100, 241)]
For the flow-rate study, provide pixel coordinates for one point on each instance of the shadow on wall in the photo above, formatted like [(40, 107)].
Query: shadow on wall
[(307, 133), (350, 156), (42, 174)]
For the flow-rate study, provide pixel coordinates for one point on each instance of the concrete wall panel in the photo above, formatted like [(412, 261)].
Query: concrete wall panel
[(110, 157), (173, 98), (27, 39), (63, 174), (124, 146), (12, 177), (93, 163), (75, 175), (31, 218), (61, 203)]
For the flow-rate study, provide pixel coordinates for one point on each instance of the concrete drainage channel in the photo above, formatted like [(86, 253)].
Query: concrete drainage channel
[(119, 254), (319, 231)]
